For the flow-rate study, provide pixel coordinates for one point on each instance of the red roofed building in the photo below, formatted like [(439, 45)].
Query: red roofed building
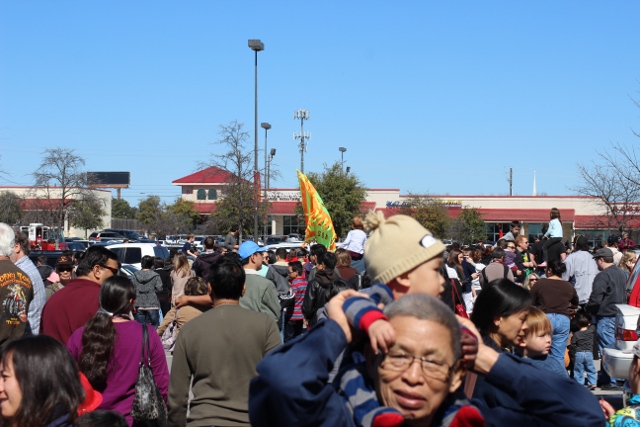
[(584, 215)]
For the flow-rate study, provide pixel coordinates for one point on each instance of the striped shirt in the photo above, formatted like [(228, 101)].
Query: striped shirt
[(299, 288)]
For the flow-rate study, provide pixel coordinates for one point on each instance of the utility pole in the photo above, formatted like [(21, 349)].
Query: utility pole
[(510, 181)]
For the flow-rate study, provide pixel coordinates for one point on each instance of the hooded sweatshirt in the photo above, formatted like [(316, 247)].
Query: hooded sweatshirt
[(147, 283), (204, 262)]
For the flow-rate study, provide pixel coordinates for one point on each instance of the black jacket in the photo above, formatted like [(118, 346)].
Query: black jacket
[(320, 290), (608, 290), (203, 263)]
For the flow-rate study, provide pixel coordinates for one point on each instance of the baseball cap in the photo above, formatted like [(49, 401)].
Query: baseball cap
[(397, 245), (64, 261), (613, 239), (249, 248), (602, 253)]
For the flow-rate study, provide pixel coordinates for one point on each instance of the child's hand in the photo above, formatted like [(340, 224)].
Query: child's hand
[(469, 348), (382, 335)]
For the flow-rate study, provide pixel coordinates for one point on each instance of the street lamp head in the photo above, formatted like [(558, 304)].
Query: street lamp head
[(265, 125), (273, 152), (348, 169), (256, 44), (342, 149)]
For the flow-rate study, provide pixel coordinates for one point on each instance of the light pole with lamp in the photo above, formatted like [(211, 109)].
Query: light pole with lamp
[(256, 45), (268, 181), (342, 150), (302, 115), (266, 126)]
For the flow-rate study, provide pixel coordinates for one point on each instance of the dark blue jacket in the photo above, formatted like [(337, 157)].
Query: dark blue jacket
[(292, 389)]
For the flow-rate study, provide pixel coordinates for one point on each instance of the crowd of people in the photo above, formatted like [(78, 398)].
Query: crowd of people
[(318, 337)]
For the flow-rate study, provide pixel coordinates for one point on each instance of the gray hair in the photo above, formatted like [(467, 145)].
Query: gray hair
[(7, 239), (426, 307)]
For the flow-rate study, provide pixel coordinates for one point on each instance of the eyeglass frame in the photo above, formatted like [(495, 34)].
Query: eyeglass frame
[(422, 359)]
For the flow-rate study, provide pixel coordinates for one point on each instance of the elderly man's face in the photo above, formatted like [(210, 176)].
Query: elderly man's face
[(418, 390)]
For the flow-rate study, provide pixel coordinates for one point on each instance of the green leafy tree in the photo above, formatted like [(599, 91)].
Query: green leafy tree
[(87, 214), (468, 227), (187, 209), (150, 212), (120, 208), (429, 212), (342, 194), (10, 210)]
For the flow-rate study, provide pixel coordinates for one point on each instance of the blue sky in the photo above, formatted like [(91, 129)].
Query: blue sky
[(428, 97)]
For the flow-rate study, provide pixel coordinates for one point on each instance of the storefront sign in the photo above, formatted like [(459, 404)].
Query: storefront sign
[(283, 196)]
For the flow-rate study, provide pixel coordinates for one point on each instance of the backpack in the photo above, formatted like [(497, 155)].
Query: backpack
[(484, 274)]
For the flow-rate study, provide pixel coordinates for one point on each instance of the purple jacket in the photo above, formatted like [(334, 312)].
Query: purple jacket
[(122, 372)]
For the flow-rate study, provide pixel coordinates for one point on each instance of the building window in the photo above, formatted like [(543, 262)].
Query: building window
[(202, 195), (293, 224), (534, 230), (213, 194), (493, 230)]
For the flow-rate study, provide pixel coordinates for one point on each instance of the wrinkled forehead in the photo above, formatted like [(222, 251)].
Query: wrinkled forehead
[(422, 337)]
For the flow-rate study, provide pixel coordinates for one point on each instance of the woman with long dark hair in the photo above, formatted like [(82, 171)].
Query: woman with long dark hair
[(456, 272), (109, 346), (39, 384), (500, 314), (558, 299)]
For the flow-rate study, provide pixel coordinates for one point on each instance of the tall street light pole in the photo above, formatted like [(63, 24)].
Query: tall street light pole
[(256, 45), (342, 150), (302, 115), (266, 126)]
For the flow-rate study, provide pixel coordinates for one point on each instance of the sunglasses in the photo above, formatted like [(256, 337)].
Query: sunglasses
[(63, 269), (511, 247), (111, 269), (533, 280)]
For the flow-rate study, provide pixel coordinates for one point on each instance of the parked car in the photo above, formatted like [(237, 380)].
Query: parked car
[(105, 236), (129, 234), (128, 270), (132, 253), (616, 361), (275, 239)]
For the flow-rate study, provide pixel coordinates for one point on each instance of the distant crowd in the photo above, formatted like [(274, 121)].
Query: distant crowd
[(390, 329)]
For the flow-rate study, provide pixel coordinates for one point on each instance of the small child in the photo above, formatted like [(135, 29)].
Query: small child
[(554, 233), (629, 416), (536, 343), (364, 315), (583, 342)]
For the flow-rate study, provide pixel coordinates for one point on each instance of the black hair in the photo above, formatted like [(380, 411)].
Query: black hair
[(297, 267), (328, 259), (227, 278), (317, 249), (582, 321), (102, 418), (557, 267), (147, 262), (42, 259), (95, 255), (209, 242), (497, 253), (158, 263), (501, 243), (281, 253), (515, 224), (99, 336), (500, 298), (272, 256), (48, 379), (301, 253)]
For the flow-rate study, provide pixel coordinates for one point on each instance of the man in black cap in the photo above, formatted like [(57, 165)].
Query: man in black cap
[(608, 290), (612, 243)]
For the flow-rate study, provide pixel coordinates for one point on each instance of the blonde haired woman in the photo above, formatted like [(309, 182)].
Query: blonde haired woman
[(181, 273)]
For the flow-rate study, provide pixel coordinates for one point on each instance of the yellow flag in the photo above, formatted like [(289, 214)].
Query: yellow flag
[(319, 224)]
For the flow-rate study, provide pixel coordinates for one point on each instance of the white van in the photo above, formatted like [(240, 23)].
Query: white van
[(132, 253)]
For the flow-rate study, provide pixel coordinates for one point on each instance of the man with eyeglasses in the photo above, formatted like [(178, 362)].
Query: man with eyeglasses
[(72, 306), (419, 376)]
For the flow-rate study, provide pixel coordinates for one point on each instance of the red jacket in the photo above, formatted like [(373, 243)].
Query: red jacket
[(70, 308)]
